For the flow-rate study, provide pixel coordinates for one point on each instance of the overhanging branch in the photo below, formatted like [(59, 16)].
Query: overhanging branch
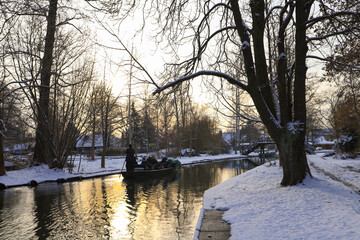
[(202, 73)]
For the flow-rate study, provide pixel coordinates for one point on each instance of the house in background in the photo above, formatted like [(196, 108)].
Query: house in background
[(323, 138), (19, 149), (84, 143)]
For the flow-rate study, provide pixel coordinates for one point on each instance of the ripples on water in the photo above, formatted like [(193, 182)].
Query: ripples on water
[(111, 208)]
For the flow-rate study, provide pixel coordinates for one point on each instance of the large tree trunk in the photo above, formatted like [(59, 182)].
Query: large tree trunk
[(292, 156), (292, 141), (43, 152)]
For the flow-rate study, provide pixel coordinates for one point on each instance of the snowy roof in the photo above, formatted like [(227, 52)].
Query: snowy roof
[(322, 140), (187, 150), (86, 141)]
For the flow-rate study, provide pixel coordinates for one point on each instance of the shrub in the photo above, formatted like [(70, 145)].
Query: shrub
[(348, 143)]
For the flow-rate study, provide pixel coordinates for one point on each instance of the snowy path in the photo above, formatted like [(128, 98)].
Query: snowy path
[(345, 170)]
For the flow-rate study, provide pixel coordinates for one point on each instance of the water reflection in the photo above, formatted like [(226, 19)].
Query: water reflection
[(17, 210), (112, 208)]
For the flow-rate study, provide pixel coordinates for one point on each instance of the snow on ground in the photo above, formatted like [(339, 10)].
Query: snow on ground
[(347, 170), (259, 208), (87, 169)]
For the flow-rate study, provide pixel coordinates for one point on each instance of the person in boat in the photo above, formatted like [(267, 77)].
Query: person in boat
[(163, 162), (130, 159), (144, 163), (151, 162)]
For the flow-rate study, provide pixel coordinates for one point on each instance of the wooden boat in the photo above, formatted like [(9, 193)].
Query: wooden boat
[(140, 172)]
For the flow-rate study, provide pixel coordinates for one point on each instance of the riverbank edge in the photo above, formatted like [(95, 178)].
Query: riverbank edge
[(212, 225), (199, 224), (80, 176)]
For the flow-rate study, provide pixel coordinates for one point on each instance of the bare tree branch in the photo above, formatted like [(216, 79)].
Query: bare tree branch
[(203, 73), (352, 67), (309, 23), (107, 28)]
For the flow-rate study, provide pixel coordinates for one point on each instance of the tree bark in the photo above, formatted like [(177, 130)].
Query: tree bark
[(103, 153), (292, 157), (93, 138), (292, 142), (43, 152), (2, 159), (105, 129)]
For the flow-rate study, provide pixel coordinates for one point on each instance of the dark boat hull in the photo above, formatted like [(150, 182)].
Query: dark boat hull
[(141, 173)]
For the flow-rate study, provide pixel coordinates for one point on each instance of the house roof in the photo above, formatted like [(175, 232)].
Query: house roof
[(86, 141)]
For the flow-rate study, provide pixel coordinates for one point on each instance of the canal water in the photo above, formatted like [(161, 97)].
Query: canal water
[(112, 208)]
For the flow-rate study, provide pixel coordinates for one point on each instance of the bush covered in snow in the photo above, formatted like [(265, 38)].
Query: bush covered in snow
[(348, 143)]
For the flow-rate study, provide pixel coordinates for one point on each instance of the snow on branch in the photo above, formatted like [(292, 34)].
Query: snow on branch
[(245, 45), (20, 88), (202, 73), (294, 127), (15, 82), (285, 22)]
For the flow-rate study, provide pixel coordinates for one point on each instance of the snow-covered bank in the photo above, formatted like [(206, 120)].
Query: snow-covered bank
[(259, 208), (87, 169)]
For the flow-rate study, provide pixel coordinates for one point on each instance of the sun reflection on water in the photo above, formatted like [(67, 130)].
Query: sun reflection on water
[(112, 207)]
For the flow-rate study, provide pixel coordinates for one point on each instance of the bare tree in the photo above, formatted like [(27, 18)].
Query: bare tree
[(43, 49), (93, 122), (9, 17), (280, 98), (67, 119), (109, 114), (43, 151)]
